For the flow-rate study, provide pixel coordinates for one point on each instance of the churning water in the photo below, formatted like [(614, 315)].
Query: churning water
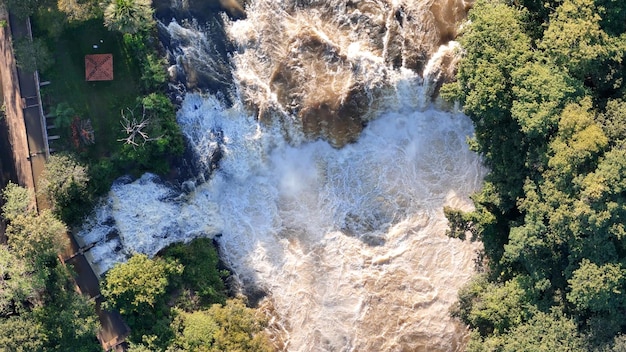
[(345, 234)]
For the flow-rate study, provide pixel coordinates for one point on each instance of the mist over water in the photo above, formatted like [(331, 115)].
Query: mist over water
[(348, 244)]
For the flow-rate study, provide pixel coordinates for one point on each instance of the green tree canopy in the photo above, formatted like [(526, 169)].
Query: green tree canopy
[(63, 177), (17, 286), (545, 332), (494, 308), (24, 8), (598, 288), (18, 201), (138, 284), (229, 327), (68, 318), (201, 274), (496, 45), (37, 238), (64, 184), (32, 55), (22, 333), (543, 82), (128, 16), (80, 10)]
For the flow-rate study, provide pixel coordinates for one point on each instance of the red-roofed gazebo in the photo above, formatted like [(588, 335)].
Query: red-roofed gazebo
[(99, 67)]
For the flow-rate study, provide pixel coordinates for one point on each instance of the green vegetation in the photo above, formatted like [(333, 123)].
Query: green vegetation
[(139, 284), (228, 327), (102, 103), (64, 183), (23, 8), (90, 116), (32, 56), (80, 10), (544, 88), (39, 307), (200, 276), (177, 302), (128, 16)]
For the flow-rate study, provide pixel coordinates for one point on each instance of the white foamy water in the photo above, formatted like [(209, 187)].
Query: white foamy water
[(349, 244)]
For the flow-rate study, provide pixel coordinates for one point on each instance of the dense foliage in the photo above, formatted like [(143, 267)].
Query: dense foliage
[(544, 88), (32, 55), (63, 184), (39, 307), (177, 302), (64, 30), (128, 16)]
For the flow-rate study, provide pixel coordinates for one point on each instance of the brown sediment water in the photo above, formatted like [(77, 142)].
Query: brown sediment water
[(335, 166), (329, 63)]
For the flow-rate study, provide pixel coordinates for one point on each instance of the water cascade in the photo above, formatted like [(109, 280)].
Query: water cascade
[(334, 167)]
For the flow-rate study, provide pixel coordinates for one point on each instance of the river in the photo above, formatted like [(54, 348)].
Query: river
[(324, 161)]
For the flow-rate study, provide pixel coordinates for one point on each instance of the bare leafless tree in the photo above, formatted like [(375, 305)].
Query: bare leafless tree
[(134, 129)]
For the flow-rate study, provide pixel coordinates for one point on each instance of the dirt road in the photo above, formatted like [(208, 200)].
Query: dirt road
[(14, 108)]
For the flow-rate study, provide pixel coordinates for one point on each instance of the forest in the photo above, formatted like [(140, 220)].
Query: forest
[(543, 82)]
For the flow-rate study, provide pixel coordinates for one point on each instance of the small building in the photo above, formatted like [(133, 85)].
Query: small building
[(99, 67)]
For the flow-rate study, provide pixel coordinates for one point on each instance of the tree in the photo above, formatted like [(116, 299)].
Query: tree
[(552, 211), (139, 284), (201, 273), (194, 330), (541, 91), (80, 10), (151, 140), (460, 223), (33, 55), (598, 288), (22, 333), (153, 72), (574, 40), (49, 19), (129, 16), (17, 201), (135, 130), (613, 120), (545, 332), (613, 14), (17, 287), (494, 308), (229, 327), (579, 142), (68, 318), (24, 8), (63, 116), (495, 46), (64, 184), (38, 239)]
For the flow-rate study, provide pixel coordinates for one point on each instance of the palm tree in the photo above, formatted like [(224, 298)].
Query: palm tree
[(128, 16)]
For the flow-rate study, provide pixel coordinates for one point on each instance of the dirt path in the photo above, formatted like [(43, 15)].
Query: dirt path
[(14, 108)]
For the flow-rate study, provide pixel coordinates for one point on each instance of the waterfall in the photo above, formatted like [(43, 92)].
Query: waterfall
[(334, 168)]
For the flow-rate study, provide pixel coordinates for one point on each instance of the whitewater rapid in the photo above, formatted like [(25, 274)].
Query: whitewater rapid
[(345, 235)]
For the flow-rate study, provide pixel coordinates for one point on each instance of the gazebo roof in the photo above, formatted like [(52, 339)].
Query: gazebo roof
[(99, 67)]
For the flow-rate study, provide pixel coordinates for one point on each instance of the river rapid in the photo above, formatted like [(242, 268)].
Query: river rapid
[(322, 164)]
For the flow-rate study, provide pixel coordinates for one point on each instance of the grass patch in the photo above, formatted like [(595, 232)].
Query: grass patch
[(139, 85), (100, 101)]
